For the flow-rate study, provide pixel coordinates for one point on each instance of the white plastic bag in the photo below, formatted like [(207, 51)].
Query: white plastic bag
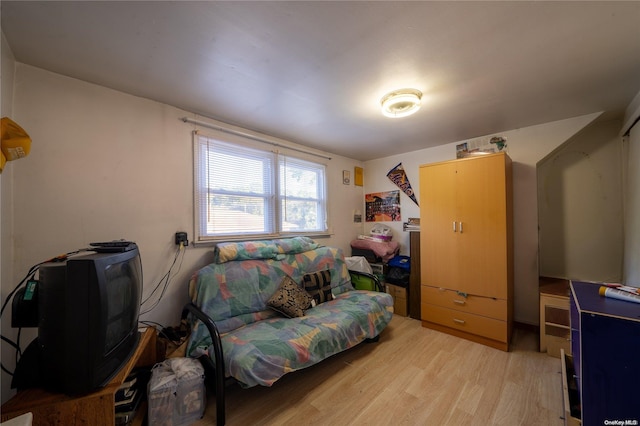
[(176, 392), (359, 264)]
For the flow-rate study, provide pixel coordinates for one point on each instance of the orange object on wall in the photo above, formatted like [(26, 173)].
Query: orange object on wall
[(15, 141)]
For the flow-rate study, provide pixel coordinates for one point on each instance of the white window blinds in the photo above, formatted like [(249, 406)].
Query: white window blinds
[(244, 192)]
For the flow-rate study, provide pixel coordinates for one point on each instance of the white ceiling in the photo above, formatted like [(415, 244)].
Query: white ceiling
[(314, 72)]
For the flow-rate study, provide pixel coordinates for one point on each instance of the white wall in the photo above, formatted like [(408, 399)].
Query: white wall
[(631, 268), (106, 165), (580, 206), (6, 179), (526, 147)]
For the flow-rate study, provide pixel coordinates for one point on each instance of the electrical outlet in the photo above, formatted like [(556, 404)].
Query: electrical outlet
[(181, 237)]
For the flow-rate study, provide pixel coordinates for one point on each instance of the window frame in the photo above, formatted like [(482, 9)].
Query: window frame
[(276, 154)]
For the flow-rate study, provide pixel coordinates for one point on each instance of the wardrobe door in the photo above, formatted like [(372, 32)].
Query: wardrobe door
[(438, 226), (482, 227)]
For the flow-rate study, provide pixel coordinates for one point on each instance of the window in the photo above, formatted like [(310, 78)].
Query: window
[(245, 192)]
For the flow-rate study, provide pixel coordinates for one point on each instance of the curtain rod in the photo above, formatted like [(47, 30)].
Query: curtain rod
[(248, 136)]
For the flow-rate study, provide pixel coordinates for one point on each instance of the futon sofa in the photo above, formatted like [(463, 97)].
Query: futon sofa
[(266, 308)]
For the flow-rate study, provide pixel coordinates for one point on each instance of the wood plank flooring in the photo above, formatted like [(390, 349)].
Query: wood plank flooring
[(412, 376)]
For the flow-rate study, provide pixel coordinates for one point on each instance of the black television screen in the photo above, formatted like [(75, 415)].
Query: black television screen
[(88, 319)]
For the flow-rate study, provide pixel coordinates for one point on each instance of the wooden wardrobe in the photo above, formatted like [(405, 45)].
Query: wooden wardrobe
[(466, 248)]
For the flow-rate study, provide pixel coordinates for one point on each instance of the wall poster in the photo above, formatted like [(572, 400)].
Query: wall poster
[(383, 206)]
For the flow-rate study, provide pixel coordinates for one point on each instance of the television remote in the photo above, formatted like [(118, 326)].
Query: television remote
[(113, 246)]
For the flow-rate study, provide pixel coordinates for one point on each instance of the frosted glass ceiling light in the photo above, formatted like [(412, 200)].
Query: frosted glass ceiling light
[(401, 103)]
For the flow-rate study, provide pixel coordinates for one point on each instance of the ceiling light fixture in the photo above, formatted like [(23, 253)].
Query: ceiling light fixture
[(401, 103)]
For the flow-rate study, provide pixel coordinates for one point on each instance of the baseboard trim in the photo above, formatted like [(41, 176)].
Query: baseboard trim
[(527, 327), (503, 346)]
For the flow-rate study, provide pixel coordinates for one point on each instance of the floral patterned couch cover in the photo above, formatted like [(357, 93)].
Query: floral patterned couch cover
[(260, 345)]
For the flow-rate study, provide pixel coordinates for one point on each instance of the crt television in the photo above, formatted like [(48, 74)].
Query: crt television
[(88, 319)]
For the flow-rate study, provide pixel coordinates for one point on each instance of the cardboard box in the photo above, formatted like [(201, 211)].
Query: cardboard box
[(399, 294)]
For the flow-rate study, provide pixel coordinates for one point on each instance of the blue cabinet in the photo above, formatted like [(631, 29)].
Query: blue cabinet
[(605, 344)]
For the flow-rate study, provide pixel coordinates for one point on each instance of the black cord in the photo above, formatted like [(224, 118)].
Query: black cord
[(152, 324), (30, 274), (167, 279), (164, 277), (5, 370), (12, 343), (16, 345), (18, 351)]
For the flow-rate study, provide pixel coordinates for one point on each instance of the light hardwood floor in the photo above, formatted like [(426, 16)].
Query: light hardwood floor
[(412, 376)]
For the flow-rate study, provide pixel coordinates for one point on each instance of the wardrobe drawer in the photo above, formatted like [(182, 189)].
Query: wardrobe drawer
[(485, 306), (465, 321)]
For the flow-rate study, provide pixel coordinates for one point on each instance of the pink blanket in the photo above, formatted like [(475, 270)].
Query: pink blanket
[(384, 250)]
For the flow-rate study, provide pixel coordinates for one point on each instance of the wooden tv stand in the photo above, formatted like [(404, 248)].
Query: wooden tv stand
[(93, 409)]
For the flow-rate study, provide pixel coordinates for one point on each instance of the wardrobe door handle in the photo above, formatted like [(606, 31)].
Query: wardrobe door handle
[(454, 226), (461, 227)]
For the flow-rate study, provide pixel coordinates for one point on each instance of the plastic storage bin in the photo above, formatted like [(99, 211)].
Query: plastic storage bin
[(176, 392)]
